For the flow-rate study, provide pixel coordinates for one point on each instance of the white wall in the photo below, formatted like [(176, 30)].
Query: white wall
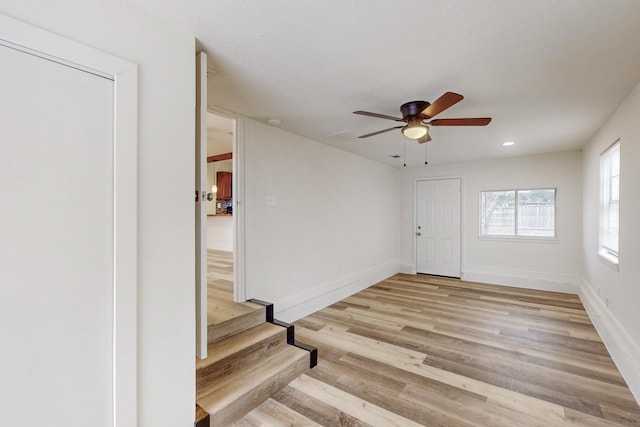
[(166, 331), (333, 231), (541, 265), (611, 296), (220, 232)]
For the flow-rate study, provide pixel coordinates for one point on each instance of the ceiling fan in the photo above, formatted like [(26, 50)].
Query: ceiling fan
[(418, 114)]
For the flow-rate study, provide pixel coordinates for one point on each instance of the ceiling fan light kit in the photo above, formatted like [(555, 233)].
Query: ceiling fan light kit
[(415, 129), (416, 113)]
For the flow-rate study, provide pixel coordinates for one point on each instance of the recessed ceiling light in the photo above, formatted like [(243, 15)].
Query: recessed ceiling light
[(274, 121), (508, 143)]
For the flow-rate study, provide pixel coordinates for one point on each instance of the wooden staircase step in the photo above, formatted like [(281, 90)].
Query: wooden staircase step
[(220, 310), (232, 396), (218, 293), (241, 342), (202, 418), (225, 318), (237, 352)]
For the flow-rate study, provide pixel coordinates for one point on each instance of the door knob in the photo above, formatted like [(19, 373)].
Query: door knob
[(418, 233)]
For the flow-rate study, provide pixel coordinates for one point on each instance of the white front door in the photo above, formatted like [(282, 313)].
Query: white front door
[(437, 231)]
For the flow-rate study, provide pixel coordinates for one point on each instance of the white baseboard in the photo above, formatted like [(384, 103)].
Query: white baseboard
[(624, 351), (299, 305), (407, 269), (567, 283)]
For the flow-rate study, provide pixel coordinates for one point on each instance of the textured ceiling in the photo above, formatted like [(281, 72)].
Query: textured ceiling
[(549, 72)]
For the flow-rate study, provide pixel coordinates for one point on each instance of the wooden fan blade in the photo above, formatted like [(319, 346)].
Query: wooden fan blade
[(424, 139), (441, 104), (379, 132), (380, 116), (480, 121)]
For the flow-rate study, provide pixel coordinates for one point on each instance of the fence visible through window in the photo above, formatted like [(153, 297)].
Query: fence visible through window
[(534, 217)]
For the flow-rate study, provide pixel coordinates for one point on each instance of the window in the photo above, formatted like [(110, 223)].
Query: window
[(610, 202), (518, 213)]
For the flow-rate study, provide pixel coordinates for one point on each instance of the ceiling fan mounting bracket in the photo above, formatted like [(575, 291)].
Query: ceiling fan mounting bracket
[(413, 108)]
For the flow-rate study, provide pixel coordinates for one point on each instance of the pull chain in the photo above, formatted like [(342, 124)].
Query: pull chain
[(405, 153), (425, 154)]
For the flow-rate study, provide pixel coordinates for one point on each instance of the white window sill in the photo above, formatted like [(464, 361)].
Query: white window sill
[(609, 259), (519, 239)]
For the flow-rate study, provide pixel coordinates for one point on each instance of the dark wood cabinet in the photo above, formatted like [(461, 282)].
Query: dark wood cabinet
[(223, 180)]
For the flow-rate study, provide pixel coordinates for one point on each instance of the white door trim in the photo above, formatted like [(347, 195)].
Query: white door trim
[(239, 276), (35, 41), (414, 239)]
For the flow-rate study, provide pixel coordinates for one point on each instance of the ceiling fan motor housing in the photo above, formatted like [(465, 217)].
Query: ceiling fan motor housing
[(413, 108)]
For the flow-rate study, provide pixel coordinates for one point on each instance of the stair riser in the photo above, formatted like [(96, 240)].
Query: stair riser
[(259, 394), (233, 326), (237, 361)]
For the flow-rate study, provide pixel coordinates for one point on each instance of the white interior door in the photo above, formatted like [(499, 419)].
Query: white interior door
[(438, 204), (57, 237), (68, 245), (201, 205)]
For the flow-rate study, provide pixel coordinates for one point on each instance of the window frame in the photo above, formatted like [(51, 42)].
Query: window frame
[(516, 236), (610, 255)]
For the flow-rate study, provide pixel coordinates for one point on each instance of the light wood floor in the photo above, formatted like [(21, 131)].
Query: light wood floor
[(220, 306), (220, 274), (422, 350)]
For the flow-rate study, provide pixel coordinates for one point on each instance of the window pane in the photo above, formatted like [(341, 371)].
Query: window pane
[(614, 188), (610, 237), (610, 197), (498, 213), (536, 212)]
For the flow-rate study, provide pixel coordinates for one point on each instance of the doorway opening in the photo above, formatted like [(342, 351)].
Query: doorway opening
[(219, 213), (220, 224), (225, 291)]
